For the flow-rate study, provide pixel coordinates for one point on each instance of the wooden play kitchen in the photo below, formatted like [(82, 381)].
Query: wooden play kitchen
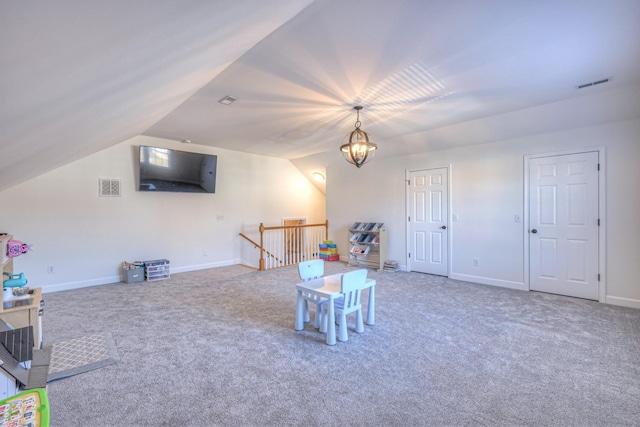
[(24, 363), (20, 311)]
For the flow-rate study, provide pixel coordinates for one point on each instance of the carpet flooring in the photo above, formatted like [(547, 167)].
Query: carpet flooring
[(218, 348)]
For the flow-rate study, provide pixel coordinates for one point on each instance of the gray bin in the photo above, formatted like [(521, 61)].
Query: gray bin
[(134, 275)]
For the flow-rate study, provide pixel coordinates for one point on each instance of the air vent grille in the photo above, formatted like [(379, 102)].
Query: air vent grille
[(227, 100), (597, 82), (109, 187)]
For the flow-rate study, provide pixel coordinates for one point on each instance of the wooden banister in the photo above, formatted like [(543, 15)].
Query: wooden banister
[(291, 246)]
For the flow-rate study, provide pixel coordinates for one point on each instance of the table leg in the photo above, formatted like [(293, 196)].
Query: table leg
[(299, 311), (331, 320), (371, 309)]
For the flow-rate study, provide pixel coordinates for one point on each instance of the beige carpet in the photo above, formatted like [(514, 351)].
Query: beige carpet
[(218, 348)]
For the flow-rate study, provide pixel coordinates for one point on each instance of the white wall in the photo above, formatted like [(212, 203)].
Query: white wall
[(86, 237), (487, 188)]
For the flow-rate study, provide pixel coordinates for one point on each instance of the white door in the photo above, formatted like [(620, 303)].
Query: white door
[(563, 225), (428, 243)]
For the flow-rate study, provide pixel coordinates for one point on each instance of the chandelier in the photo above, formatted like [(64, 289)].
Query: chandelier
[(360, 147)]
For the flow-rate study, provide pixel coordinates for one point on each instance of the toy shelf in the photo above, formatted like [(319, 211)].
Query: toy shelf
[(368, 244)]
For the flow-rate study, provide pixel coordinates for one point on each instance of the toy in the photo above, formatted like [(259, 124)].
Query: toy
[(16, 248), (28, 408), (14, 281)]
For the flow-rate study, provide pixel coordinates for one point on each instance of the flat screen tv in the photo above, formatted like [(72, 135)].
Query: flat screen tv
[(163, 169)]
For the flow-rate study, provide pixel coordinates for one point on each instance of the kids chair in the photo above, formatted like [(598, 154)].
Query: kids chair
[(309, 270), (352, 284)]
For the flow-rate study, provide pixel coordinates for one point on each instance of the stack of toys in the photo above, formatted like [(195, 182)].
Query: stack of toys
[(329, 251), (390, 265)]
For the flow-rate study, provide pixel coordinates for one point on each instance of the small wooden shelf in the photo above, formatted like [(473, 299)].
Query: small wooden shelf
[(368, 244)]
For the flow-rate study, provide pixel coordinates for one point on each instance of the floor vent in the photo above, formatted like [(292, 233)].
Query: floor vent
[(109, 187), (598, 82)]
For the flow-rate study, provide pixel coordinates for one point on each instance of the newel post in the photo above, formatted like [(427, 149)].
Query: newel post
[(261, 246)]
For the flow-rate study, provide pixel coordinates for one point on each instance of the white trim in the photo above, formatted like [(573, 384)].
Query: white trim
[(407, 197), (110, 280), (492, 282), (623, 302), (602, 234)]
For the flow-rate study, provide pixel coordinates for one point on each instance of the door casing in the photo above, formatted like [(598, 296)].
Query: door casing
[(408, 212), (602, 263)]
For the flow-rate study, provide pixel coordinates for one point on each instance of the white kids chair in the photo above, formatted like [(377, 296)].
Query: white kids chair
[(351, 286), (309, 270)]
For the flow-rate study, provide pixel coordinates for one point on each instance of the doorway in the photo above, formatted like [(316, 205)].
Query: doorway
[(293, 238), (428, 204), (564, 224)]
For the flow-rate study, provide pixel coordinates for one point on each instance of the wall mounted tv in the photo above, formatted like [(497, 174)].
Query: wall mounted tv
[(163, 169)]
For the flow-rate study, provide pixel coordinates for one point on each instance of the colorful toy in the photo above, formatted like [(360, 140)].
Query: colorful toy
[(28, 408), (14, 281), (16, 248)]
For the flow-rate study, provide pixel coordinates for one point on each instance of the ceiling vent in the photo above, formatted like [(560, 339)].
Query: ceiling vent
[(598, 82), (227, 100), (109, 187)]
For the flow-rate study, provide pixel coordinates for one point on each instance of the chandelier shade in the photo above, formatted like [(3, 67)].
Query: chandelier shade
[(358, 146)]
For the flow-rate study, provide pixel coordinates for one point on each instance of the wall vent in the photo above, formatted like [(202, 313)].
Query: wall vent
[(597, 82), (227, 100), (109, 187)]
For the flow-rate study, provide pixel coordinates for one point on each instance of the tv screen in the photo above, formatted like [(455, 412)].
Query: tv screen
[(163, 169)]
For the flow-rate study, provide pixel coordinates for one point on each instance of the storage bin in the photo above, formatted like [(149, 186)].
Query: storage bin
[(156, 270), (134, 275)]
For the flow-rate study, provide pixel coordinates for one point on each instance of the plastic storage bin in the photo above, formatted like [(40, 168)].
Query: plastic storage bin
[(156, 270)]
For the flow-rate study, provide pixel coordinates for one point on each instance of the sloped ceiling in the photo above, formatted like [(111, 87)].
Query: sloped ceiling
[(80, 76)]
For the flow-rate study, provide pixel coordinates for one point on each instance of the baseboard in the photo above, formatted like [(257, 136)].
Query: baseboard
[(205, 266), (81, 284), (492, 282), (623, 302), (117, 279)]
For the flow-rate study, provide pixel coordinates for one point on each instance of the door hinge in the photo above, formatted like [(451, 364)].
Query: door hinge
[(409, 254), (408, 182), (598, 222), (598, 277), (598, 166), (409, 219)]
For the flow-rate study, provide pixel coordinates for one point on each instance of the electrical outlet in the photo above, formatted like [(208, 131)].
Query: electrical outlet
[(220, 217), (50, 269), (476, 262)]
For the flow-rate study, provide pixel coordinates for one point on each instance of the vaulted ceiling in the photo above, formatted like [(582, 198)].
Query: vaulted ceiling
[(81, 76)]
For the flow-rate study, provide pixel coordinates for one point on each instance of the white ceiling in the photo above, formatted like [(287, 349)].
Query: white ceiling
[(80, 76)]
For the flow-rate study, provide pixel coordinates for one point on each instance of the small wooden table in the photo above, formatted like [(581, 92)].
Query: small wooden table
[(329, 287)]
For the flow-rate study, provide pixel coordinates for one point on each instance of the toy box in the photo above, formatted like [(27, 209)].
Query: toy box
[(134, 275)]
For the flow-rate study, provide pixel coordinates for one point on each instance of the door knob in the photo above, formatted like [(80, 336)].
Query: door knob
[(534, 231), (444, 227)]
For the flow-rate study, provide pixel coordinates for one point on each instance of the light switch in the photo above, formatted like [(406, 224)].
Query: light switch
[(518, 218), (454, 217)]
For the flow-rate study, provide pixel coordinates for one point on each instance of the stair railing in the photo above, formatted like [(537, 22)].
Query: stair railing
[(285, 245)]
